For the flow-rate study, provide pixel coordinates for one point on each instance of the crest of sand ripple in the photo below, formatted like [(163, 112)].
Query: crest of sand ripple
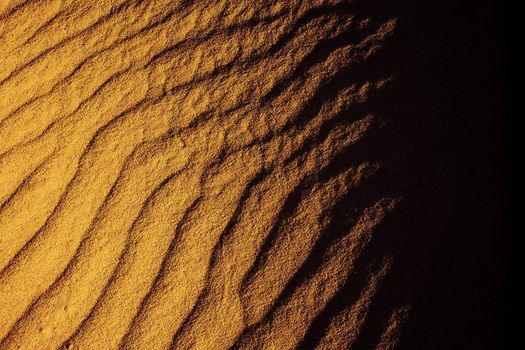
[(177, 174)]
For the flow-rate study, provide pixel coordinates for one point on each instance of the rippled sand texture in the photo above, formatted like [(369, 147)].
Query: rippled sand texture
[(195, 175)]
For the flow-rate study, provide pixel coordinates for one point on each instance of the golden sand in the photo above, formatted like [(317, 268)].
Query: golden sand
[(176, 174)]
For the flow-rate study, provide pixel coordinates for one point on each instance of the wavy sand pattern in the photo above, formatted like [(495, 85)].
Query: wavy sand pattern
[(197, 175)]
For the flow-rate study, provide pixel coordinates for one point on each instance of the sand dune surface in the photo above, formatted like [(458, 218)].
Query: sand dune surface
[(202, 175)]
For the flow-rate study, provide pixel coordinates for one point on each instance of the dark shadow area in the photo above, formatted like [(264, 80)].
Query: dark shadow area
[(459, 83), (445, 146)]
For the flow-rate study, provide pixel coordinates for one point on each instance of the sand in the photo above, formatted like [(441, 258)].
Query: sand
[(208, 175)]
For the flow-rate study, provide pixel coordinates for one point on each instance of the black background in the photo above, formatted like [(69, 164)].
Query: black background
[(462, 299)]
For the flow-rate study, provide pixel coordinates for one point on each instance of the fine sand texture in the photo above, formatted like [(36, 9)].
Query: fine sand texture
[(215, 174)]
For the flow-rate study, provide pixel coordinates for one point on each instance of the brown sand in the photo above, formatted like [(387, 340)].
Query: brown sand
[(206, 175)]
